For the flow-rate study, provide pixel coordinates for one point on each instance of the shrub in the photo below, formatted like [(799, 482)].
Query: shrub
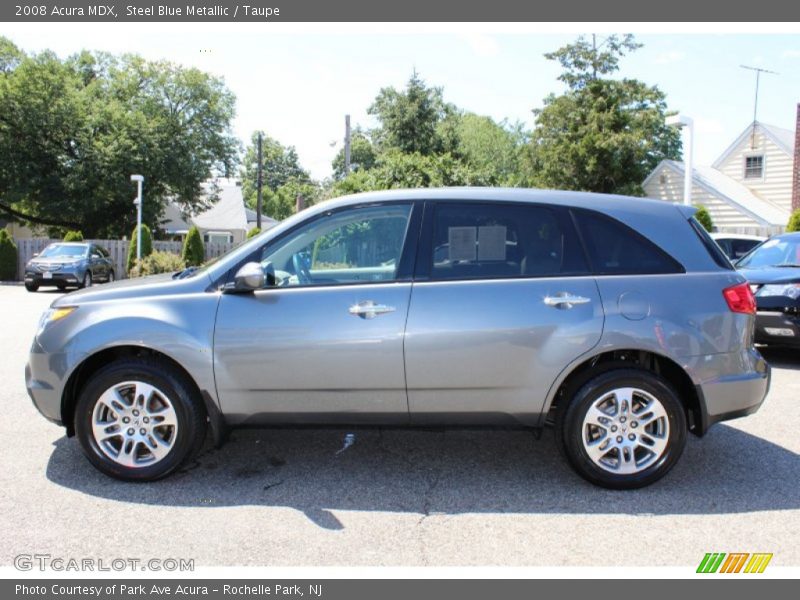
[(794, 221), (147, 245), (73, 236), (253, 232), (8, 256), (704, 218), (157, 262), (194, 253)]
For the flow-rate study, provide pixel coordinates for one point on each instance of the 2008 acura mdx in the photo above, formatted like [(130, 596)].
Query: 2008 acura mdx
[(617, 320)]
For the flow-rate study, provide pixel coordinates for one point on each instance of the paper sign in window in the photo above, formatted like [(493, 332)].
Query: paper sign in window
[(461, 242), (492, 242)]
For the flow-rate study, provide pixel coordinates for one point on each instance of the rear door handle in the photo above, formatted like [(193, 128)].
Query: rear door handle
[(565, 300), (369, 310)]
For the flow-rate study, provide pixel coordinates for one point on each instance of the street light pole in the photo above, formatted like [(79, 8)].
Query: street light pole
[(139, 179), (682, 121)]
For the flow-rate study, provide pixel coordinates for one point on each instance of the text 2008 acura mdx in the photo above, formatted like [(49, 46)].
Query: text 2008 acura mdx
[(617, 319)]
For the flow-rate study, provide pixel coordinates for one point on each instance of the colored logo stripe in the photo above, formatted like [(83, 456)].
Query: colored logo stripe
[(713, 562), (758, 562)]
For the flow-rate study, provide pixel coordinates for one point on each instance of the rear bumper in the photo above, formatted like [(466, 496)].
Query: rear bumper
[(734, 395), (777, 327)]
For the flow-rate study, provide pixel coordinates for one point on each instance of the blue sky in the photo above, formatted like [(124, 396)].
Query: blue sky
[(296, 83)]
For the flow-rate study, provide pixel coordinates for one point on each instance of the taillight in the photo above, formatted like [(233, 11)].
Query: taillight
[(740, 299)]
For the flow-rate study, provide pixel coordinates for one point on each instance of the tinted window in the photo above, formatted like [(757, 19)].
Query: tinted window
[(741, 247), (615, 249), (503, 240)]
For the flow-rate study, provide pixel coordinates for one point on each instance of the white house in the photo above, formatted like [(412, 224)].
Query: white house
[(753, 184), (228, 220)]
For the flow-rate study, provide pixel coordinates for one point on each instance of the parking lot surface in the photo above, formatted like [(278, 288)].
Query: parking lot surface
[(394, 497)]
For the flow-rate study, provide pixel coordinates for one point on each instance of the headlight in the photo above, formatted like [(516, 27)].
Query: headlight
[(790, 290), (52, 315)]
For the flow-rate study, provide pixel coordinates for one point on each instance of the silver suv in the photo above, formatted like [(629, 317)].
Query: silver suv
[(616, 320)]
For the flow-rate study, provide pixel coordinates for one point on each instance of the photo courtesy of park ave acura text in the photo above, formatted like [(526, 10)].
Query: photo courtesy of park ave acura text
[(507, 296)]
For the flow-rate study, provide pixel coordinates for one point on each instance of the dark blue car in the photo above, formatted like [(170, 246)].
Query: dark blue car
[(773, 271)]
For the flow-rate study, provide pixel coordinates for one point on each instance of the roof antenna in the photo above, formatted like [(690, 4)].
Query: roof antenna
[(758, 71)]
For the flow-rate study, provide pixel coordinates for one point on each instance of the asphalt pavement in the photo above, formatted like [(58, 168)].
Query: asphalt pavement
[(296, 497)]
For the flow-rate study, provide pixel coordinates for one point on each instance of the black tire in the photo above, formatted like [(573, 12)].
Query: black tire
[(189, 410), (111, 277), (570, 419), (86, 281), (31, 287)]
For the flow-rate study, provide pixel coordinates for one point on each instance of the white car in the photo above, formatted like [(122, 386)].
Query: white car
[(736, 245)]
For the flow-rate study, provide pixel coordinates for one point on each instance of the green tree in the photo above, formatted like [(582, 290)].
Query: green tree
[(72, 131), (602, 134), (147, 245), (409, 118), (704, 218), (194, 253), (362, 155), (794, 221), (253, 232), (8, 256), (73, 236)]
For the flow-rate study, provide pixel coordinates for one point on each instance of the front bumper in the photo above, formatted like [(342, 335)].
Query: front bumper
[(734, 394), (777, 327), (44, 386), (63, 277)]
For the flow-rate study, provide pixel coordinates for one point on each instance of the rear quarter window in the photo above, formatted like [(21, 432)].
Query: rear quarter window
[(615, 249), (713, 249)]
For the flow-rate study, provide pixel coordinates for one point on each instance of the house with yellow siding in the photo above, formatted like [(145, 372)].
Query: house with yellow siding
[(752, 185)]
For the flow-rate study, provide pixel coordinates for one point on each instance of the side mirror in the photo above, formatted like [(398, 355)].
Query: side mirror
[(252, 276)]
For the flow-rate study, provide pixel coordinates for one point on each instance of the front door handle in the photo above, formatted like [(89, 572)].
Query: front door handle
[(369, 310), (565, 300)]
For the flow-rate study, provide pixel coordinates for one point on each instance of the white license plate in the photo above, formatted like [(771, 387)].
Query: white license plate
[(47, 275), (779, 331)]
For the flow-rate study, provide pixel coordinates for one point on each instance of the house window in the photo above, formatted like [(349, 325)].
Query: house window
[(754, 167), (218, 237)]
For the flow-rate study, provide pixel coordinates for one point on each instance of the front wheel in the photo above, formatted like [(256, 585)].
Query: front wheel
[(624, 429), (31, 287), (87, 280), (139, 420)]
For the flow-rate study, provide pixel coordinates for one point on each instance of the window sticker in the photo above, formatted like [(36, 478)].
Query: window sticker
[(461, 242), (492, 242)]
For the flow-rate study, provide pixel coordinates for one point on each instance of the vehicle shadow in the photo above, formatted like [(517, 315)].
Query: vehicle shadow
[(438, 472), (781, 357)]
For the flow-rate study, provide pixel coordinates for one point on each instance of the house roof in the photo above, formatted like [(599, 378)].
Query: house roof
[(252, 218), (228, 213), (783, 138), (731, 191)]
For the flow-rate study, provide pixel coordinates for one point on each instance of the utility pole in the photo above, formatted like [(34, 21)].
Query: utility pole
[(758, 71), (346, 144), (259, 183)]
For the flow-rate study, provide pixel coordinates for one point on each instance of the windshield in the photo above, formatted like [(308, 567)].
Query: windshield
[(777, 252), (63, 251)]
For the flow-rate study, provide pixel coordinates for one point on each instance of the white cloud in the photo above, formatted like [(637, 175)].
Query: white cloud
[(668, 58), (791, 54)]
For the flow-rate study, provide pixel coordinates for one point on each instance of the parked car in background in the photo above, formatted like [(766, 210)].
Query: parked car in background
[(736, 245), (618, 321), (773, 272), (63, 264)]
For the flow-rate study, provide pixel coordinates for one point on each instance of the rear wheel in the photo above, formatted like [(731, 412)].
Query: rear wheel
[(139, 420), (623, 429)]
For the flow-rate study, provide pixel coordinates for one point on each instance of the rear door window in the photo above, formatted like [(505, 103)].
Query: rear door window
[(616, 249), (495, 240)]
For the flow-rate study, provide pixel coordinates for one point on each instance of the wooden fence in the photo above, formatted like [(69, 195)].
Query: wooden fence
[(765, 231), (118, 249)]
